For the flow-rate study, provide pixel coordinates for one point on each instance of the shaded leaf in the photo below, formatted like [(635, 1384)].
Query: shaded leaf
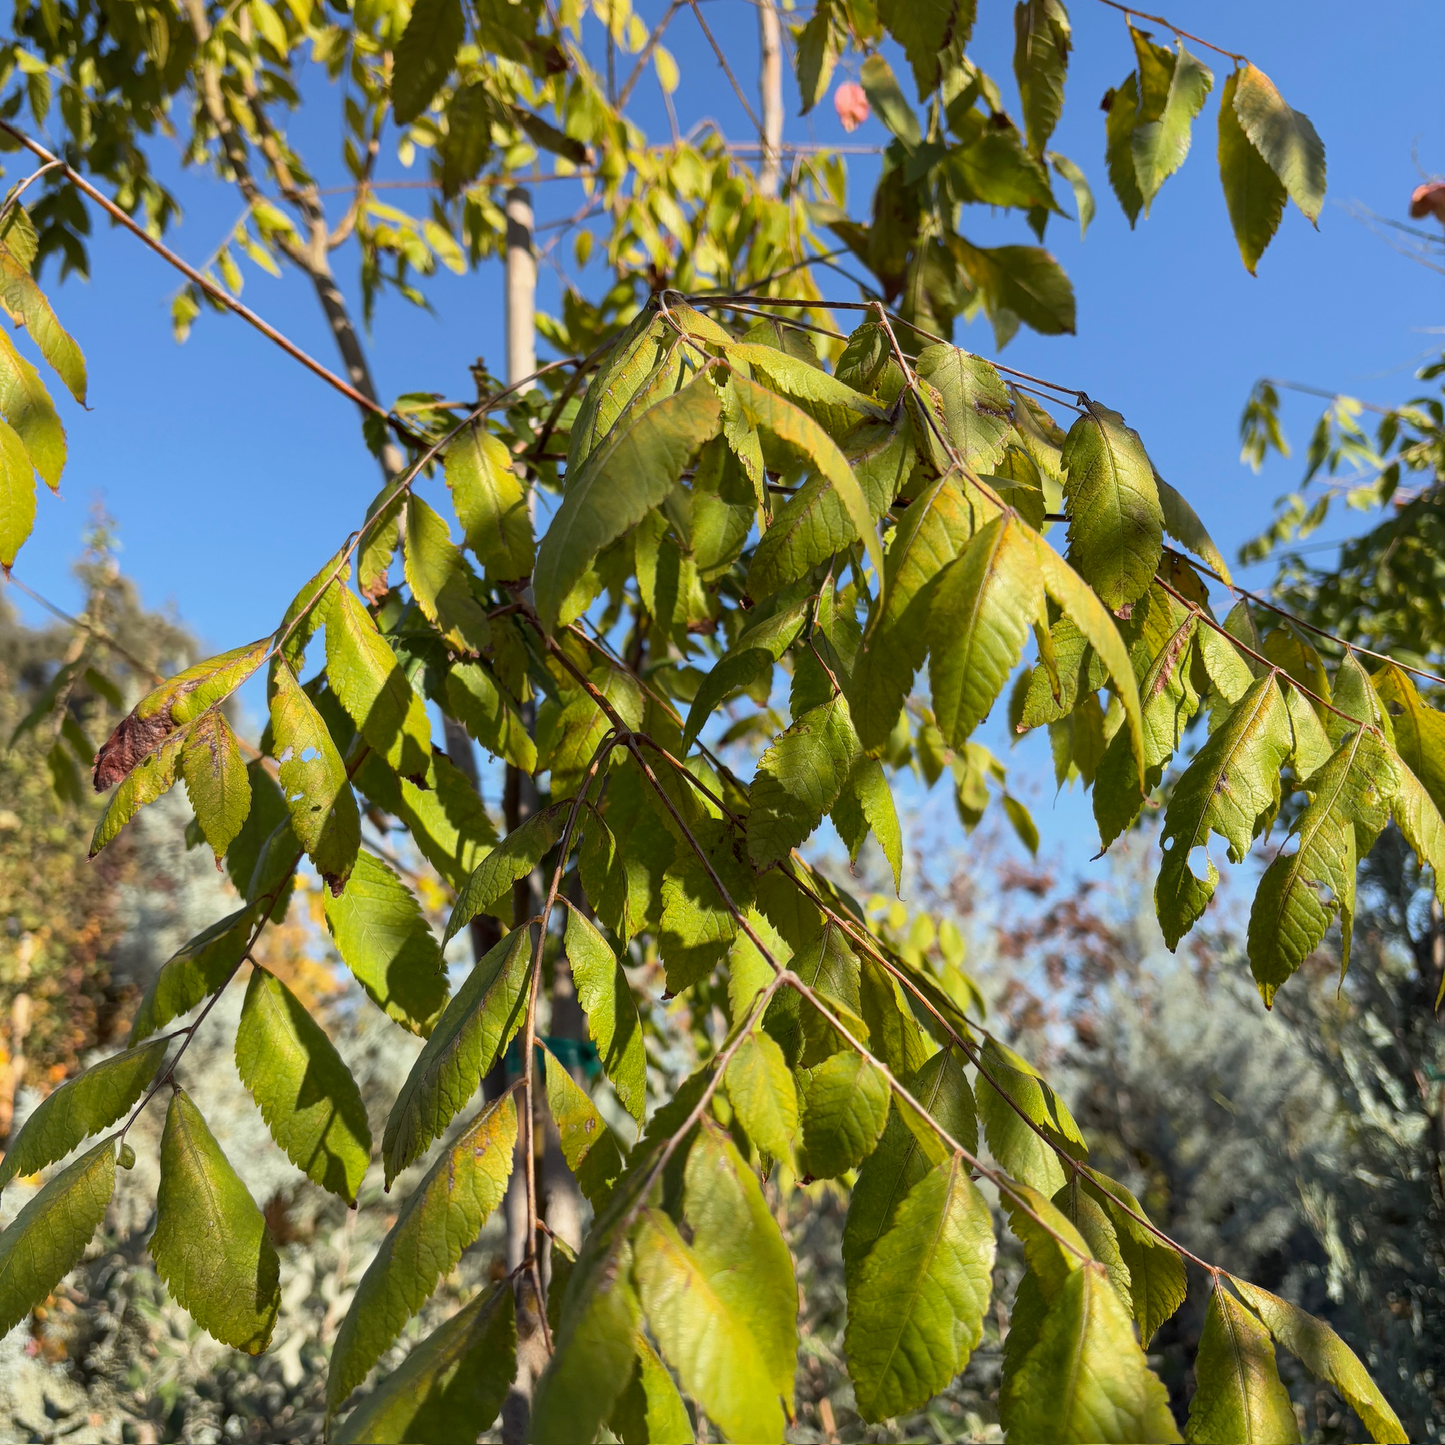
[(378, 928), (424, 56), (439, 578), (1237, 1392), (210, 1243), (491, 504), (845, 1106), (302, 1087), (513, 858), (450, 1386), (612, 1019), (1253, 193), (468, 1039), (46, 1240)]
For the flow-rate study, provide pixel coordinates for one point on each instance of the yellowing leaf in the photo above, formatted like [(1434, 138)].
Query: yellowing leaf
[(1284, 138), (216, 779), (22, 298), (1237, 1392), (26, 405), (17, 495), (845, 1106), (1115, 522), (443, 1215), (1253, 193), (1327, 1356), (625, 477), (368, 678), (916, 1303), (978, 621), (323, 807), (439, 578), (761, 1090), (491, 504)]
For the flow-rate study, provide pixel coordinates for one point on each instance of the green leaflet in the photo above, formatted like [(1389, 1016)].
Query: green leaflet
[(210, 1243), (1237, 1392), (46, 1240), (593, 1344), (934, 530), (697, 924), (1303, 892), (1326, 1356), (1019, 1149), (1284, 138), (634, 356), (622, 479), (323, 807), (798, 780), (451, 1386), (304, 1091), (797, 431), (1419, 730), (1253, 193), (907, 1151), (740, 1250), (1096, 1228), (151, 778), (1232, 782), (491, 504), (26, 405), (977, 411), (1182, 523), (845, 1106), (612, 1019), (440, 580), (1116, 525), (751, 668), (448, 822), (915, 1308), (588, 1145), (365, 674), (706, 1340), (1086, 1379), (468, 1039), (489, 715), (650, 1411), (308, 608), (761, 1091), (216, 780), (926, 31), (24, 300), (749, 972), (1419, 820), (977, 624), (829, 967), (1169, 702), (195, 971), (79, 1108), (1157, 1281), (1041, 60), (424, 55), (570, 729), (833, 404), (378, 928), (444, 1214), (513, 858), (1053, 1245), (1161, 145), (814, 525), (866, 803)]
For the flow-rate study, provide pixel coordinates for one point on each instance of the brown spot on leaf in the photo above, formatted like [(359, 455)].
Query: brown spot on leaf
[(132, 739)]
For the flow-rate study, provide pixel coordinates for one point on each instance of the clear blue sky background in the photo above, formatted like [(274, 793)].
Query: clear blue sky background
[(233, 474)]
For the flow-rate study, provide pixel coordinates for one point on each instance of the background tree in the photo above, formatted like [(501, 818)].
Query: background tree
[(723, 499)]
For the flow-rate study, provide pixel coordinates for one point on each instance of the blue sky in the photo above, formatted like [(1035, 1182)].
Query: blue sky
[(233, 474)]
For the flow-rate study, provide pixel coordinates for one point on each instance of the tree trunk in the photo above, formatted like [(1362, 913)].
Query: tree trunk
[(770, 93)]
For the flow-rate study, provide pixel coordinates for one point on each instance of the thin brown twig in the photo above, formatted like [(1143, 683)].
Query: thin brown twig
[(1308, 626), (727, 69), (216, 293), (1129, 10)]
